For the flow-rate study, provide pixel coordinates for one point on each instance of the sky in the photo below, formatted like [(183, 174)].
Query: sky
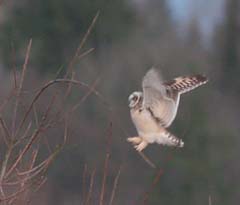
[(208, 13)]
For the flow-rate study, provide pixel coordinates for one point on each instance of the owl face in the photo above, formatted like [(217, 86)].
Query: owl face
[(134, 99)]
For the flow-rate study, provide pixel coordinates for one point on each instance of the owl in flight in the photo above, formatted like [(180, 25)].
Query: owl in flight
[(154, 109)]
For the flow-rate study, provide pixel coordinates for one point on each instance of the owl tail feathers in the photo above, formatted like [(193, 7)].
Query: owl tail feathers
[(169, 139)]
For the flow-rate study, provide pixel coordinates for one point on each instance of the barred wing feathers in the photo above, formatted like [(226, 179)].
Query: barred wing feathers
[(186, 84)]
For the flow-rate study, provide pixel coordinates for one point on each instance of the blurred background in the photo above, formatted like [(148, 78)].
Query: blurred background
[(179, 37)]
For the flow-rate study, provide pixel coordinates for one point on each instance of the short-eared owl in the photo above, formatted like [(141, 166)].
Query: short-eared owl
[(154, 109)]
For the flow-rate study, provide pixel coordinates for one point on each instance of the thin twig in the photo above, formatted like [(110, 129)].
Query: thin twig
[(14, 66), (5, 164), (32, 162), (86, 53), (91, 89), (115, 184), (35, 115), (52, 82), (14, 195), (105, 171), (6, 133), (65, 130), (44, 179), (25, 134), (84, 183), (7, 99), (84, 39), (69, 86), (3, 171), (209, 200), (3, 194), (32, 139), (34, 171), (154, 183), (90, 187), (146, 159), (19, 90)]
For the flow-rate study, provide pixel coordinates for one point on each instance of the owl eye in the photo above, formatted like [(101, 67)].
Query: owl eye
[(135, 98)]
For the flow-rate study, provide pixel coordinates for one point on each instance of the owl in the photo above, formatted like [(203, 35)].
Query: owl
[(154, 109)]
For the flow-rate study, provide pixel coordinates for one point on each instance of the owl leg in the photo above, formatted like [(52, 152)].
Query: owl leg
[(141, 146), (134, 140)]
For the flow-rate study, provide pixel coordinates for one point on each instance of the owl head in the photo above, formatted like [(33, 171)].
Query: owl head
[(134, 99)]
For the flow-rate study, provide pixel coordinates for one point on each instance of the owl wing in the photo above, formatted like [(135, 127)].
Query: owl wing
[(184, 84), (156, 99)]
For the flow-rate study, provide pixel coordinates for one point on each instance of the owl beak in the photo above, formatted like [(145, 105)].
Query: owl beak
[(130, 103)]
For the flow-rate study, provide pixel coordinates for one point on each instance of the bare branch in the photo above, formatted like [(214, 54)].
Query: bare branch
[(154, 183), (7, 99), (84, 39), (105, 171), (84, 183), (86, 53), (209, 200), (146, 159), (90, 90), (21, 85), (90, 187), (115, 184), (6, 134), (32, 139), (25, 134), (52, 82)]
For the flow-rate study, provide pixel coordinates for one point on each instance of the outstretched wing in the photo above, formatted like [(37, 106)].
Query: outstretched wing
[(155, 99), (187, 83)]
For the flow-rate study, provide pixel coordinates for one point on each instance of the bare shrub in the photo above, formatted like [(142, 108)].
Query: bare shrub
[(24, 125)]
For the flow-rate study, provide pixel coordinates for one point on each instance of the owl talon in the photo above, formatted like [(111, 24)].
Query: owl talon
[(134, 140), (140, 147)]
